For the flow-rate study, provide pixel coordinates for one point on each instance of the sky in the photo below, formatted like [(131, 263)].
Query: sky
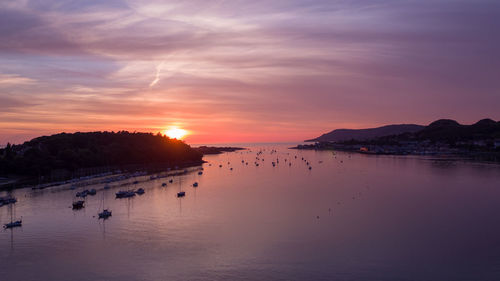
[(244, 71)]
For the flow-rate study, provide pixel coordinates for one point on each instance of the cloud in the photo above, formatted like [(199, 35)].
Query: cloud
[(14, 79), (296, 65)]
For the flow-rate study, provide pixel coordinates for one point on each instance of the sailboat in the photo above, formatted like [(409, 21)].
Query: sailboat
[(105, 212), (12, 223)]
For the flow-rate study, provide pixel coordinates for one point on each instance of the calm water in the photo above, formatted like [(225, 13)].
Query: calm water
[(352, 217)]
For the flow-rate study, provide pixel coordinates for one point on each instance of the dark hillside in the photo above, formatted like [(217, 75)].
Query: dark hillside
[(70, 152)]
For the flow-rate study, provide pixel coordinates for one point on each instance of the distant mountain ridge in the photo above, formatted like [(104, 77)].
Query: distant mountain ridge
[(339, 135), (440, 130)]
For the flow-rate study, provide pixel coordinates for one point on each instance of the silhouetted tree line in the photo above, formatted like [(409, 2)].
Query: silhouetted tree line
[(70, 152), (446, 131)]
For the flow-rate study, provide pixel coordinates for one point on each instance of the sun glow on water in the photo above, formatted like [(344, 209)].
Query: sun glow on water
[(175, 133)]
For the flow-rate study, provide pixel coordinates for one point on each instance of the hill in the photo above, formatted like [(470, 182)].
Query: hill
[(451, 131), (340, 135), (70, 152)]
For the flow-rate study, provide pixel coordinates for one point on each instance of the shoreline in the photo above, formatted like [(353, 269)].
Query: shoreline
[(445, 154), (18, 181)]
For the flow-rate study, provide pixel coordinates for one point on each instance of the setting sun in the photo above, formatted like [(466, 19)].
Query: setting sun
[(175, 133)]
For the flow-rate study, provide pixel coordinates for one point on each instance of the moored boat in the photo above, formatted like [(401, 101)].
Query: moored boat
[(13, 224), (125, 194), (78, 204), (82, 194), (7, 200), (105, 214)]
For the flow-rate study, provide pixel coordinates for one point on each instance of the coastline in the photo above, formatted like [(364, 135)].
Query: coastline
[(86, 174), (442, 151)]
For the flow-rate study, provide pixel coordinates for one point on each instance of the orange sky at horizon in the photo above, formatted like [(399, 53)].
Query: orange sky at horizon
[(244, 71)]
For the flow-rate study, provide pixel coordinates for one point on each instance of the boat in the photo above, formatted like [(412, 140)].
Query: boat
[(181, 194), (92, 192), (105, 214), (13, 224), (164, 184), (171, 181), (195, 184), (140, 191), (82, 194), (200, 173), (125, 194), (78, 204), (6, 200)]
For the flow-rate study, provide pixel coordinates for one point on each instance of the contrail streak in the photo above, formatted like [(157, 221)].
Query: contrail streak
[(157, 77)]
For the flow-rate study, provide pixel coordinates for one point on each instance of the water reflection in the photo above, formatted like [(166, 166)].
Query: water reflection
[(350, 217)]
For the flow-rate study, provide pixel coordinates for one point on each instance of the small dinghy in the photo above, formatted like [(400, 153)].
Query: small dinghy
[(140, 191), (92, 192), (164, 184), (82, 194), (78, 204), (195, 184), (181, 194), (105, 214)]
